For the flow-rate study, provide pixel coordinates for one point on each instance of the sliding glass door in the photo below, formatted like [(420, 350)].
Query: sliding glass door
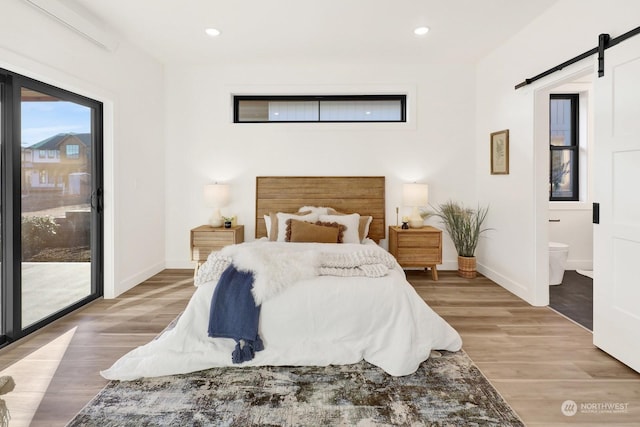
[(51, 210), (3, 135)]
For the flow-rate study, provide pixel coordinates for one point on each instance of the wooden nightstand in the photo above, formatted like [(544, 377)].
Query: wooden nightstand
[(206, 239), (417, 247)]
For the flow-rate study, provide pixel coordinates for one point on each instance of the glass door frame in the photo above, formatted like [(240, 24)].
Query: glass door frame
[(10, 189)]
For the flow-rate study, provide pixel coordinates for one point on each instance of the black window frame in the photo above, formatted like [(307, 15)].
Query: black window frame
[(319, 98), (573, 148)]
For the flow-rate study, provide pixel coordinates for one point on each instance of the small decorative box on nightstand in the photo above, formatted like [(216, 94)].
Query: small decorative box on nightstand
[(206, 239), (417, 247)]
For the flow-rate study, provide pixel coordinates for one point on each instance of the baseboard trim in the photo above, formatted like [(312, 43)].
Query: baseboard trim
[(579, 264), (135, 279), (180, 264), (514, 287)]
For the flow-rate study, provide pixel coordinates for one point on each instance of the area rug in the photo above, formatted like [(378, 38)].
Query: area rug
[(445, 391)]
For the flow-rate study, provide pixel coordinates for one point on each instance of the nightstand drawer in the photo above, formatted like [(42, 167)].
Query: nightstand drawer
[(419, 256), (201, 252), (205, 238), (418, 240)]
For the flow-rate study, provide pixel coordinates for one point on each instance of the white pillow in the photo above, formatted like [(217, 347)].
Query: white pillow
[(282, 223), (267, 223), (352, 222), (316, 210)]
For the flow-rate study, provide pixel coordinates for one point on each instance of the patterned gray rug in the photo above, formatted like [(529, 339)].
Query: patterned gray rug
[(445, 391)]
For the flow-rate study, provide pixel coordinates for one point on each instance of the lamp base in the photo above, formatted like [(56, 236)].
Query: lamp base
[(416, 223), (216, 219), (216, 222), (416, 220)]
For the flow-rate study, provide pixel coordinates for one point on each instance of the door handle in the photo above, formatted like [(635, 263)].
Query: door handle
[(596, 213), (96, 200)]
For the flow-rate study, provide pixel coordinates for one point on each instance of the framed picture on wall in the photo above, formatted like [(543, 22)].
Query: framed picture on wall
[(500, 152)]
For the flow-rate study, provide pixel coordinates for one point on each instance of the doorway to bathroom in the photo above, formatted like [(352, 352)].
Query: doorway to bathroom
[(570, 228), (616, 237)]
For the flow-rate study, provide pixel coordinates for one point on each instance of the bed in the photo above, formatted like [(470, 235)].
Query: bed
[(319, 303)]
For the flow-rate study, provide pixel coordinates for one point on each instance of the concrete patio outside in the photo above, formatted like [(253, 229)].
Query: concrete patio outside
[(51, 286)]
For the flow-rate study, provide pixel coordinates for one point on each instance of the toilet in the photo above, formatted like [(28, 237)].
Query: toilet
[(558, 253)]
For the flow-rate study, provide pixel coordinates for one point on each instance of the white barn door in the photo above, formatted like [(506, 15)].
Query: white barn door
[(616, 293)]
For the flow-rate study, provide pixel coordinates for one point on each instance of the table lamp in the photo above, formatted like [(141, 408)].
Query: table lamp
[(216, 196), (415, 195)]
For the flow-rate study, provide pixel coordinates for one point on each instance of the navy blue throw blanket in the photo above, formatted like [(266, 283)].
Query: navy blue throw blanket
[(234, 314)]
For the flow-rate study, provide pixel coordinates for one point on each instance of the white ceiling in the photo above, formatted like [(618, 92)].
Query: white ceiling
[(320, 30)]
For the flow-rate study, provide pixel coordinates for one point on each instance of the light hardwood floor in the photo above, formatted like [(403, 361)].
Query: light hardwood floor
[(536, 358)]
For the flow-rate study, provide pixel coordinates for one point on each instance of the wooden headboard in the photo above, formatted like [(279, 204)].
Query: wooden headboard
[(348, 194)]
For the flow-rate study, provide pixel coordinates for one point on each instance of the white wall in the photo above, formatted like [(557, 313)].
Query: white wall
[(435, 146), (131, 85), (515, 254)]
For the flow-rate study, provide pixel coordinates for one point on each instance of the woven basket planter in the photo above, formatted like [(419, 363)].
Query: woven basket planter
[(467, 267)]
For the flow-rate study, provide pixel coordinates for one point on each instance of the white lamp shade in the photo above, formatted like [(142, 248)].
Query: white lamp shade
[(216, 195), (414, 195)]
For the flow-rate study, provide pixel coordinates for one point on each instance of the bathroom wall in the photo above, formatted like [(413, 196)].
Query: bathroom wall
[(574, 229)]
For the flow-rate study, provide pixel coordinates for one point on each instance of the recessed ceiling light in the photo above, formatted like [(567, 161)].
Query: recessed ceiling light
[(212, 32), (421, 31)]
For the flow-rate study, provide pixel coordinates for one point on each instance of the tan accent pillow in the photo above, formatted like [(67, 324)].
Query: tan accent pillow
[(273, 234), (363, 226), (318, 232)]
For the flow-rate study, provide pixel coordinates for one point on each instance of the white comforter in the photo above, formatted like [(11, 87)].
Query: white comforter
[(319, 320)]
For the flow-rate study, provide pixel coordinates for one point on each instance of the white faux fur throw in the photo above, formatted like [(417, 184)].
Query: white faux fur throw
[(277, 266)]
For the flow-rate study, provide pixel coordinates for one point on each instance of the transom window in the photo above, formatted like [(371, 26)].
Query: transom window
[(335, 108)]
